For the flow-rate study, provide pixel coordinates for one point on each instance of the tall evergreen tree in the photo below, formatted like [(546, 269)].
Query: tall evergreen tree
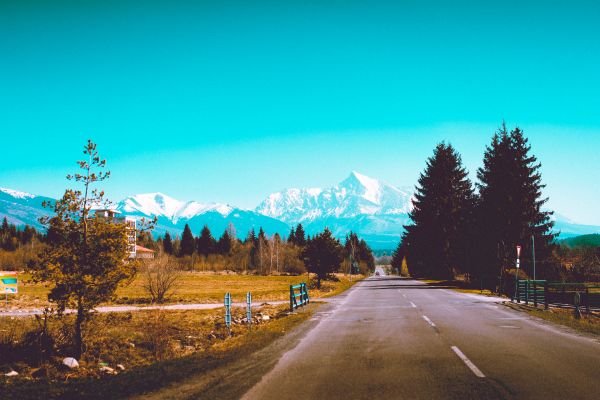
[(188, 244), (224, 244), (323, 255), (292, 236), (510, 208), (300, 236), (435, 243), (168, 244), (206, 243)]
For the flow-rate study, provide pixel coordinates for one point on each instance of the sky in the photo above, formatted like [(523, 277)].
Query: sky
[(230, 101)]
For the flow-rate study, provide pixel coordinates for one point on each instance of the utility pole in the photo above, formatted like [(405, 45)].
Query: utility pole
[(533, 252)]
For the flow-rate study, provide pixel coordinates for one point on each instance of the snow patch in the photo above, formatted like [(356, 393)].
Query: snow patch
[(17, 194)]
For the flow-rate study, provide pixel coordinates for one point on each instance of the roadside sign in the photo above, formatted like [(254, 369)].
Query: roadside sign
[(8, 282), (518, 251)]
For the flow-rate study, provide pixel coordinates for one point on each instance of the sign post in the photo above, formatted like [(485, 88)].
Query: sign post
[(517, 271), (8, 283)]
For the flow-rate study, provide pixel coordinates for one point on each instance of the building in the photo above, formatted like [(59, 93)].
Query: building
[(130, 226), (143, 252)]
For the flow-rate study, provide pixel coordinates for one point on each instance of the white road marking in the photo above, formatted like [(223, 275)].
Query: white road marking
[(413, 305), (430, 322), (509, 327), (468, 362)]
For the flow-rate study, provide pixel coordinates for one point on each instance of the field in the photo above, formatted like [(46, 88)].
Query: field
[(197, 287), (131, 353)]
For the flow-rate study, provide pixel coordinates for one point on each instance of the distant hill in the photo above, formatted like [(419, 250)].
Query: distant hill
[(582, 240)]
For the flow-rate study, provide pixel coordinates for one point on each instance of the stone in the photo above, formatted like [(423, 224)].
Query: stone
[(266, 318), (120, 367), (12, 373), (70, 362), (108, 370)]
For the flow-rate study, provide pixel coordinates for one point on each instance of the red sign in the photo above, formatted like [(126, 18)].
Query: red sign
[(518, 251)]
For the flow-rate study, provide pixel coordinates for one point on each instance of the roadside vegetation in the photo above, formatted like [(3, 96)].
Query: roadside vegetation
[(563, 316), (471, 230), (132, 353)]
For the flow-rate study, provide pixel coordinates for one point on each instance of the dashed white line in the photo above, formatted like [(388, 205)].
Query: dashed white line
[(413, 305), (430, 322), (468, 362)]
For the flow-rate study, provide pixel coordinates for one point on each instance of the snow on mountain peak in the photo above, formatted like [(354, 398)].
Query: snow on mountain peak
[(161, 205), (17, 194), (358, 194)]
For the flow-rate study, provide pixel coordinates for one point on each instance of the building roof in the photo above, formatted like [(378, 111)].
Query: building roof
[(140, 249)]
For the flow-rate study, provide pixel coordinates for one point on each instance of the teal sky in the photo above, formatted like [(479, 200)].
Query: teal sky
[(230, 101)]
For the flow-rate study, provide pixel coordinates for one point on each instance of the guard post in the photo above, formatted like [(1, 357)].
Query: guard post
[(249, 309), (228, 312)]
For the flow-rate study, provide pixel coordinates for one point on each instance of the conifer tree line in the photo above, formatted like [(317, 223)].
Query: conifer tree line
[(321, 254), (473, 230), (12, 237)]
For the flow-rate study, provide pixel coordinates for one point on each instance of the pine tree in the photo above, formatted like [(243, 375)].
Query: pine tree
[(206, 243), (188, 244), (510, 209), (292, 236), (300, 239), (435, 242), (168, 244), (224, 244), (88, 258), (323, 255)]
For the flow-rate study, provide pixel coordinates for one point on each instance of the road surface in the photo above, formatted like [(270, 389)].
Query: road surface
[(393, 338)]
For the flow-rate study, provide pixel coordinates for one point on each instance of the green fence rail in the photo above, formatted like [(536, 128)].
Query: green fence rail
[(560, 294), (298, 296)]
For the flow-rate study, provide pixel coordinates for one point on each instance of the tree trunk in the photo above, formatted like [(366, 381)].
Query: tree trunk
[(78, 335)]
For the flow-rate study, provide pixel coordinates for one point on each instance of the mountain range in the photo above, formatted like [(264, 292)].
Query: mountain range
[(374, 209)]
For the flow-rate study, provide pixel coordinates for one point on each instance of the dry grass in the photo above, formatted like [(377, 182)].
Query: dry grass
[(560, 316), (196, 287)]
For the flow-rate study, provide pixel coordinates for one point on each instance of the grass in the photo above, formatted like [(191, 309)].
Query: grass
[(197, 341), (564, 317), (197, 287)]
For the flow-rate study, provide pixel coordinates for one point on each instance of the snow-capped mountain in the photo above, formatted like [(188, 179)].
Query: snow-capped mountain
[(355, 196), (161, 205), (375, 209), (22, 208), (172, 215)]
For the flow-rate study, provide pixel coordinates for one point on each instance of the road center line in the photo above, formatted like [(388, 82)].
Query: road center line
[(430, 322), (413, 305), (468, 362)]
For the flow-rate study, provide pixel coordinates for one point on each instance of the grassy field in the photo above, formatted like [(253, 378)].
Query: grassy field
[(198, 287), (155, 349)]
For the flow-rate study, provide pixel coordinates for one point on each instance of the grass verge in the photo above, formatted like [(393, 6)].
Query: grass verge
[(564, 317), (146, 378)]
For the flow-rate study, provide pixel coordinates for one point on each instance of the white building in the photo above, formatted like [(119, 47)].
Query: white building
[(130, 226)]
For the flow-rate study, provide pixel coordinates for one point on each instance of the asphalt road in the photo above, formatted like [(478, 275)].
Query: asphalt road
[(392, 338)]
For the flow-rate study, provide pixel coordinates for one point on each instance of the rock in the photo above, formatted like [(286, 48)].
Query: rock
[(70, 362), (12, 373), (120, 367), (108, 370), (132, 345), (266, 318)]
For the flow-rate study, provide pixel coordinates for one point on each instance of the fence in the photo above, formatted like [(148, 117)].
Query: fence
[(298, 299), (558, 294)]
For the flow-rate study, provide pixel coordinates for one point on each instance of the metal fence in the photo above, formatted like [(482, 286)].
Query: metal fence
[(558, 294), (298, 296)]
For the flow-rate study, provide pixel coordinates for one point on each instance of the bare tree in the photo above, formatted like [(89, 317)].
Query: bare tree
[(161, 276)]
